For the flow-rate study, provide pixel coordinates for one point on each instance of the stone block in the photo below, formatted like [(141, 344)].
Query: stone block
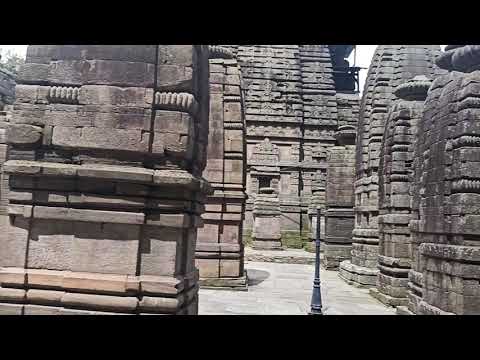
[(160, 249)]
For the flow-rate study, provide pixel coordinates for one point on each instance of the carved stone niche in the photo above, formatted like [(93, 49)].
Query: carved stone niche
[(107, 148), (266, 213), (264, 166)]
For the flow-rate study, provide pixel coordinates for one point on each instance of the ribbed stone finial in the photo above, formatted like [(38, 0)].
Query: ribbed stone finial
[(414, 89), (218, 52), (463, 58), (267, 190)]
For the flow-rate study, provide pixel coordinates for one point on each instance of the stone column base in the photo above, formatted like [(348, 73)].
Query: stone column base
[(334, 254), (358, 275), (403, 310), (231, 283), (387, 299)]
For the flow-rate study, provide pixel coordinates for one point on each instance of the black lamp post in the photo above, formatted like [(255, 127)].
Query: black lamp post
[(316, 307)]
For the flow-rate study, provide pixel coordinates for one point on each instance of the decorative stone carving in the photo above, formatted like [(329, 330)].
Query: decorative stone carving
[(219, 253), (105, 189), (264, 165), (266, 213), (391, 66), (395, 190)]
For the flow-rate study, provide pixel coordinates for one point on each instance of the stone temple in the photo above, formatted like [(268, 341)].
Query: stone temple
[(391, 65), (133, 175), (295, 96)]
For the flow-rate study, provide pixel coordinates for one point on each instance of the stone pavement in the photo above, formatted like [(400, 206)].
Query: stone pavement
[(286, 289)]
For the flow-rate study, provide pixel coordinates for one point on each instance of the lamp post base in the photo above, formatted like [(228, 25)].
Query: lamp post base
[(315, 312)]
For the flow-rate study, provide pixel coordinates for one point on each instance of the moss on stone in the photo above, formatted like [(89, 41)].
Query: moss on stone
[(309, 246), (292, 240)]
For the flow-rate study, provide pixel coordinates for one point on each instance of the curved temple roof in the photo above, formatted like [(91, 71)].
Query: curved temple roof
[(344, 50)]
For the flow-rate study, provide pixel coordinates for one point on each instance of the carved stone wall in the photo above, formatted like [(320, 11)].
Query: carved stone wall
[(290, 98), (445, 270), (391, 65), (395, 177), (348, 106), (219, 254), (107, 148)]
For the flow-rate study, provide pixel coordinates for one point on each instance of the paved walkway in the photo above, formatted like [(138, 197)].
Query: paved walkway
[(286, 289)]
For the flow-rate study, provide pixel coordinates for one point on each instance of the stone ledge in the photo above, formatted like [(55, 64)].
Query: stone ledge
[(427, 309), (233, 283), (103, 283), (167, 178), (288, 256), (451, 252)]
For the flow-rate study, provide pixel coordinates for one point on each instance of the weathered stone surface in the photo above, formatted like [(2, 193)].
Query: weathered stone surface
[(7, 88), (266, 212), (291, 99), (219, 251), (339, 198), (107, 149), (444, 229), (396, 176), (391, 66)]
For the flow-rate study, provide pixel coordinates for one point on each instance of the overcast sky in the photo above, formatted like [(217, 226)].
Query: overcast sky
[(363, 58)]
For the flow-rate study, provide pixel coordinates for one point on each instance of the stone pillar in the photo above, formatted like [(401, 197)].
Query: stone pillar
[(391, 66), (266, 228), (219, 253), (339, 219), (318, 128), (107, 147), (317, 201), (395, 190), (7, 97), (447, 191)]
